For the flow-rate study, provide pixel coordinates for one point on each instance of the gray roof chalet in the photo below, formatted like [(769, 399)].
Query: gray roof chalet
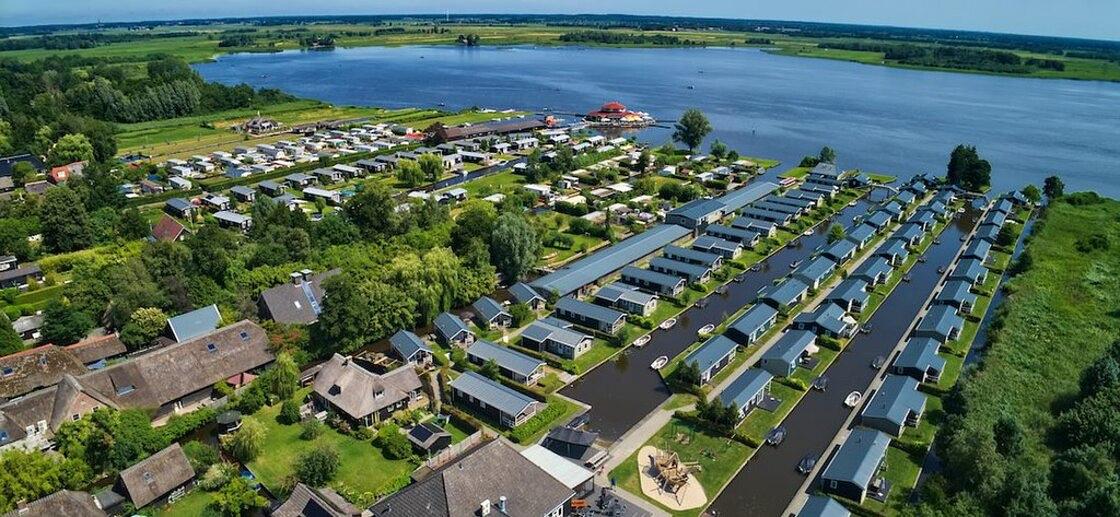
[(956, 292), (828, 316), (879, 219), (858, 457), (601, 263), (731, 233), (589, 310), (1004, 205), (758, 316), (506, 400), (970, 269), (190, 325), (840, 250), (743, 196), (825, 169), (711, 352), (988, 232), (489, 472), (940, 321), (407, 344), (745, 387), (523, 293), (488, 309), (711, 243), (297, 302), (785, 293), (450, 326), (924, 217), (692, 256), (790, 346), (652, 277), (861, 233), (697, 209), (994, 217), (920, 353), (823, 506), (895, 399), (616, 291), (506, 358), (977, 249), (872, 269), (893, 248), (816, 269), (910, 232), (906, 197), (179, 204), (690, 271), (542, 330), (850, 290)]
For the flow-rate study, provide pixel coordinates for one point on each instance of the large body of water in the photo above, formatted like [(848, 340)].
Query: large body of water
[(877, 118)]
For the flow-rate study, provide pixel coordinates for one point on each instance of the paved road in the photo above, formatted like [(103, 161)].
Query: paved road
[(770, 481)]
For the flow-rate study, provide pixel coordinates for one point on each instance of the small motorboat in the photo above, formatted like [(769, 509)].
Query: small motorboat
[(865, 328), (853, 399), (941, 270), (691, 87), (668, 324), (805, 466), (706, 329), (701, 303), (794, 264), (642, 341), (776, 436), (756, 267), (964, 238), (937, 241), (820, 383), (660, 362), (960, 210), (808, 233), (922, 259), (878, 362), (852, 204), (741, 278), (906, 278), (721, 289)]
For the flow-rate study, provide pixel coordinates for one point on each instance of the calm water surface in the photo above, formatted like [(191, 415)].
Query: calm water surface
[(878, 118)]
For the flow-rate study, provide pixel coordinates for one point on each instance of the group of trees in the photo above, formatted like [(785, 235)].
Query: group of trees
[(968, 170), (624, 38), (942, 56)]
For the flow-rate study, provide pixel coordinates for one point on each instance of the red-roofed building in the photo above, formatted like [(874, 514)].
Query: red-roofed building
[(168, 229), (64, 172), (614, 113)]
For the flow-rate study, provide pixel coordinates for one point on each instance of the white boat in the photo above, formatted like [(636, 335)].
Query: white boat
[(706, 329), (960, 210), (853, 398), (668, 324), (658, 363), (640, 342), (853, 203), (808, 233)]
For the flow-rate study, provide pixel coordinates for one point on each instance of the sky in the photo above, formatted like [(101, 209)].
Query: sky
[(1098, 19)]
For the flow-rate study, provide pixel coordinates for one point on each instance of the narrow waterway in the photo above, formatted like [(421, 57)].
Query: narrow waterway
[(981, 342), (770, 480), (624, 390)]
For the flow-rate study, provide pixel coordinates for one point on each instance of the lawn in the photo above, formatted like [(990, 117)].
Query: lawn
[(795, 173), (190, 505), (719, 458), (363, 469)]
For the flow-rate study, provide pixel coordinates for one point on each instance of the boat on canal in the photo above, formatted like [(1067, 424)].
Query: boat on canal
[(878, 362), (721, 289), (853, 204), (776, 436), (660, 362), (820, 383), (853, 399), (808, 233), (642, 341), (706, 329), (794, 264), (668, 324)]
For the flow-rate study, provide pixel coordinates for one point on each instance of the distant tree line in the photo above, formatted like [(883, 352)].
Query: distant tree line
[(951, 57), (83, 40), (624, 38)]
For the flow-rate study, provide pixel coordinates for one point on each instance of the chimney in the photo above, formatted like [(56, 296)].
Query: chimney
[(502, 504), (296, 277), (485, 508), (307, 274)]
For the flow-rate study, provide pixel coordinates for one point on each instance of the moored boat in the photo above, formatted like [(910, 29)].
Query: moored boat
[(642, 341), (668, 324), (853, 398), (706, 329), (660, 362)]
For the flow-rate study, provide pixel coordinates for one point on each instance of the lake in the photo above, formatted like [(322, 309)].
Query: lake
[(878, 119)]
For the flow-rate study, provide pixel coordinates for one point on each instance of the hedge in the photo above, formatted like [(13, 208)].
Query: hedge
[(536, 423)]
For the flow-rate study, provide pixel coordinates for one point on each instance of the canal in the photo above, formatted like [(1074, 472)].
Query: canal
[(624, 390), (769, 481)]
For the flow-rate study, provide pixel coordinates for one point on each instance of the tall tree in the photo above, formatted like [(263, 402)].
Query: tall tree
[(432, 166), (827, 155), (248, 442), (513, 246), (691, 129), (63, 325), (10, 340), (409, 173), (374, 211), (237, 498), (64, 221), (1053, 188), (71, 148), (1032, 193), (358, 310), (835, 233)]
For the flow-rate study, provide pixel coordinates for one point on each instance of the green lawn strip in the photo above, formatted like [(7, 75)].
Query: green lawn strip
[(363, 467), (42, 294), (190, 505), (718, 459), (760, 422), (795, 173), (458, 431), (902, 469)]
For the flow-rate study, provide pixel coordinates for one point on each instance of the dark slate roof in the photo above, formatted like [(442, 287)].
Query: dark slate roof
[(977, 249), (754, 318), (601, 263), (425, 435), (858, 457), (697, 209), (590, 310), (616, 291), (895, 399), (956, 291), (541, 330), (861, 233), (840, 248), (572, 436), (157, 475), (743, 196), (195, 323), (522, 293), (406, 343), (765, 215), (711, 351), (879, 219), (823, 506), (996, 218), (652, 277), (731, 232), (488, 309), (711, 242), (817, 268), (825, 169), (507, 400), (968, 268), (778, 207), (508, 359), (790, 346), (64, 503), (873, 266), (910, 231), (828, 316), (785, 292), (745, 387), (906, 197), (756, 225), (691, 255), (490, 471), (852, 289), (179, 204), (448, 325), (894, 247), (940, 319), (988, 232), (693, 271), (292, 303), (923, 216), (920, 353)]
